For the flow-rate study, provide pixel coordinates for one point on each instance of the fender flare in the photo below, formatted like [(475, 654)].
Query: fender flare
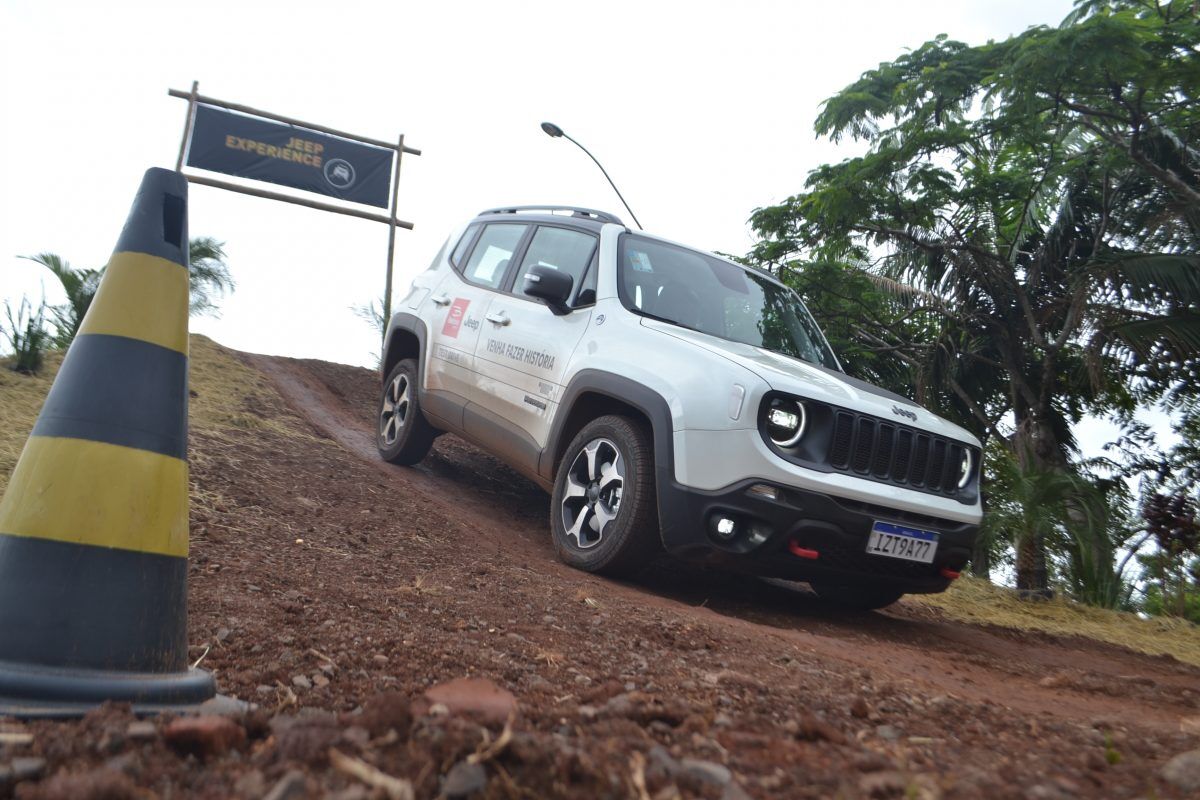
[(410, 323), (646, 400)]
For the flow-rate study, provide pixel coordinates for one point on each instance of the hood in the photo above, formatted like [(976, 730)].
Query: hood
[(791, 375)]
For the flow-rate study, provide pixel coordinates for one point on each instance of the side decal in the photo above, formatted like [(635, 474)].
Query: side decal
[(534, 358), (454, 317)]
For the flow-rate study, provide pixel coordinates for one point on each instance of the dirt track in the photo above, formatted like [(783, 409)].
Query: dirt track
[(322, 576), (901, 643)]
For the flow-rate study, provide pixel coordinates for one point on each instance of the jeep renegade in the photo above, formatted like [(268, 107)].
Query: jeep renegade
[(669, 398)]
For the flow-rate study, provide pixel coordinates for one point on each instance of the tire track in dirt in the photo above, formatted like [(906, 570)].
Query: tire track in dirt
[(1076, 679), (313, 400)]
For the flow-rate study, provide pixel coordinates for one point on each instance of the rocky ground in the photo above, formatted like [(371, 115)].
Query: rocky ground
[(409, 633)]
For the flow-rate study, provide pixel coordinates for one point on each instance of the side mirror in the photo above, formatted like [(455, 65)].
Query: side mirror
[(550, 285)]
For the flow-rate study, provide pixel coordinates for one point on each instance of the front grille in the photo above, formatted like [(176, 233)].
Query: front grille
[(884, 451), (911, 517)]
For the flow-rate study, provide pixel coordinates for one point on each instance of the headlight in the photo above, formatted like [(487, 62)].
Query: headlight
[(785, 421), (965, 468)]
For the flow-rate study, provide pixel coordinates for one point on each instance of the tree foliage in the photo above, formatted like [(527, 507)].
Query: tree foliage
[(1034, 205), (1172, 520), (208, 275), (79, 285), (208, 280)]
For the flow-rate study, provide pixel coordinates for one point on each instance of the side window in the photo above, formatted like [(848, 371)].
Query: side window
[(489, 259), (559, 249), (456, 258)]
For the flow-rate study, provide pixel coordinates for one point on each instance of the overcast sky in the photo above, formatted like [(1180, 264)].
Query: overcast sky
[(700, 111)]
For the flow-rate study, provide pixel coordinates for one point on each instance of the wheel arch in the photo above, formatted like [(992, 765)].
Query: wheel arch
[(406, 337), (595, 393)]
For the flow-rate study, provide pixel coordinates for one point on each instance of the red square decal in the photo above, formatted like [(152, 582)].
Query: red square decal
[(454, 317)]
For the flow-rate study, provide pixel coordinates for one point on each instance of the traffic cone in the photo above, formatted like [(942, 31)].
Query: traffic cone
[(94, 525)]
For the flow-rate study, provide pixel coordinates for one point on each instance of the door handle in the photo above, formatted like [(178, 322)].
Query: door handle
[(499, 318), (441, 299)]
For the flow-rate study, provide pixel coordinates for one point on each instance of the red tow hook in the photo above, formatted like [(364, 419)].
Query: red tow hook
[(949, 573), (802, 552)]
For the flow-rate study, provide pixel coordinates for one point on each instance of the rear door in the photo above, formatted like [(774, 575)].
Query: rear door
[(458, 306), (522, 353)]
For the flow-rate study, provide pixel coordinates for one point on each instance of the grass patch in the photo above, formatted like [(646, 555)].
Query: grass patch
[(979, 602), (228, 395), (21, 398)]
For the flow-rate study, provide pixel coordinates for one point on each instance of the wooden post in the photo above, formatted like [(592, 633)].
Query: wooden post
[(187, 125), (387, 286)]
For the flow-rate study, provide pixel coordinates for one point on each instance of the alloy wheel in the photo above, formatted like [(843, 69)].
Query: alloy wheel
[(592, 496), (396, 403)]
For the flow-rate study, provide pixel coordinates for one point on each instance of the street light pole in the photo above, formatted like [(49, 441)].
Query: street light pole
[(554, 131)]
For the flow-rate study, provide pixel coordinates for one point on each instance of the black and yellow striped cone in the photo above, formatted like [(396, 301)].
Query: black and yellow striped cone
[(94, 525)]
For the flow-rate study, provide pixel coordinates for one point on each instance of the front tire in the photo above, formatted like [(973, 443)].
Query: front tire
[(604, 510), (402, 434)]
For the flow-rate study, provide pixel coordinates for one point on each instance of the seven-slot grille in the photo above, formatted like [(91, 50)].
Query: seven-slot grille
[(884, 451)]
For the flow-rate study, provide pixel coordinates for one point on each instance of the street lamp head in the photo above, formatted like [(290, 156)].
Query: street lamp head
[(550, 129)]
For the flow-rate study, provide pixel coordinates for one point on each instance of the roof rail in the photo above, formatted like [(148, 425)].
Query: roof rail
[(585, 213)]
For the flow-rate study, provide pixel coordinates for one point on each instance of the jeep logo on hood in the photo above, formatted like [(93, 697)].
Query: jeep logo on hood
[(904, 412)]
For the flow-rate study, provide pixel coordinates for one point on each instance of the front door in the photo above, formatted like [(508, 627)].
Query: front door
[(522, 354)]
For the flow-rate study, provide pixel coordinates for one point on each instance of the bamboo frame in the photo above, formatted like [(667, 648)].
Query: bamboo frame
[(212, 101), (300, 201), (187, 125), (391, 220), (387, 290)]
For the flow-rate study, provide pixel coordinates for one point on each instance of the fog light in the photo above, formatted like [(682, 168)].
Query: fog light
[(763, 490), (726, 527)]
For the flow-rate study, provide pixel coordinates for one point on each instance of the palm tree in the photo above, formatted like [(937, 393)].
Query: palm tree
[(208, 274), (208, 279), (80, 287), (1162, 326)]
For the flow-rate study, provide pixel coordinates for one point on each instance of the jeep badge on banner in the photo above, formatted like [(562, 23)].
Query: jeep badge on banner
[(235, 144)]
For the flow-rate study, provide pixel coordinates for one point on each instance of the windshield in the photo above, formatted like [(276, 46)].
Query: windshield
[(704, 293)]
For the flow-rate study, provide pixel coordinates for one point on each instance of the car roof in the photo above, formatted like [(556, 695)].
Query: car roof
[(585, 218)]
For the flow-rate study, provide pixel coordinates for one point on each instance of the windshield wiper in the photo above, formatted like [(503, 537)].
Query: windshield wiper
[(675, 322)]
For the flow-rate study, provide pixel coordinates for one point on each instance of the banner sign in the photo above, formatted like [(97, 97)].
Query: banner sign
[(235, 144)]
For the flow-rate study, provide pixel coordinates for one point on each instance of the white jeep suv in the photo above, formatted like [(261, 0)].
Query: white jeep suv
[(669, 398)]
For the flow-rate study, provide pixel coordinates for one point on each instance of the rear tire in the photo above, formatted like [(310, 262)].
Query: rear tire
[(402, 434), (604, 510), (857, 598)]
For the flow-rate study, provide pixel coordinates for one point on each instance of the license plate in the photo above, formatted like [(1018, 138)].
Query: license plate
[(897, 541)]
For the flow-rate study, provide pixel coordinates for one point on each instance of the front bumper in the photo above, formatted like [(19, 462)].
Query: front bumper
[(836, 529)]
